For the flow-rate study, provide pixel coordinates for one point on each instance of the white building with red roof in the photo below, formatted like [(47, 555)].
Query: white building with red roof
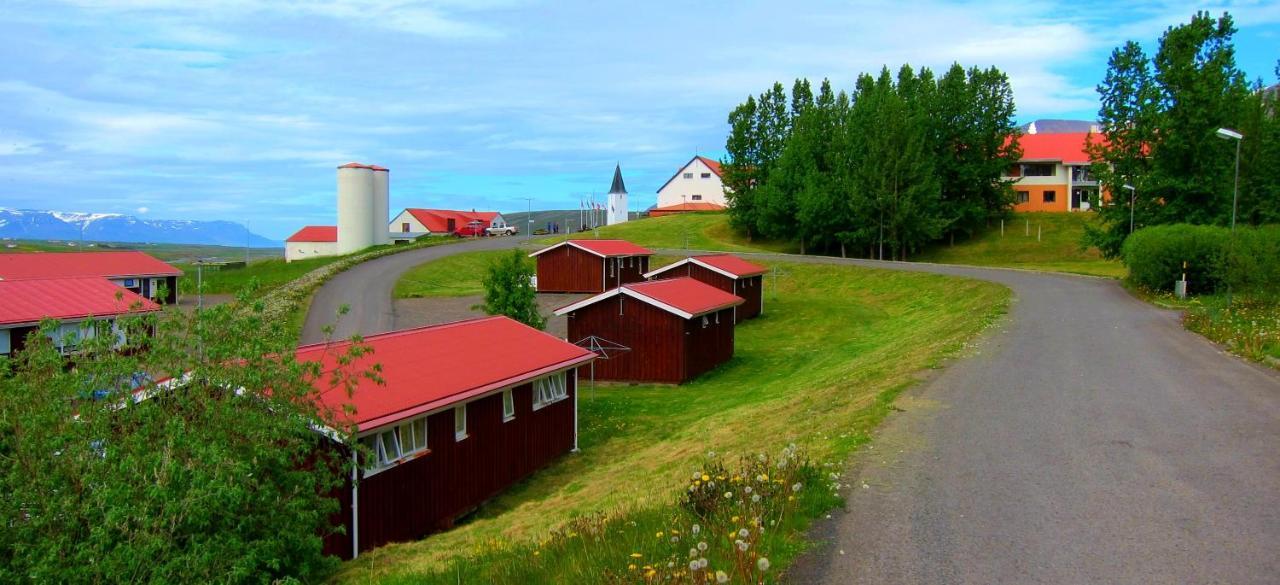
[(697, 186), (75, 302), (467, 409), (415, 222)]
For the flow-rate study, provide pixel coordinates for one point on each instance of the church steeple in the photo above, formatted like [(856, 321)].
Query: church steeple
[(618, 186)]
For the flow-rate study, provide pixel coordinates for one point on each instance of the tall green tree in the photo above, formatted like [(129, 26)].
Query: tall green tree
[(221, 478), (741, 169), (777, 198), (508, 290)]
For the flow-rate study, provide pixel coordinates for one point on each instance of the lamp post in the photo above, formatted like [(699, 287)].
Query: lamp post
[(528, 215), (1229, 134), (1133, 193)]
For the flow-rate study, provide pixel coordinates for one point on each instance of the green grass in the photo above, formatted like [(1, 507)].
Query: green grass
[(696, 231), (1056, 249), (270, 272), (819, 369), (1251, 328), (452, 276), (176, 253)]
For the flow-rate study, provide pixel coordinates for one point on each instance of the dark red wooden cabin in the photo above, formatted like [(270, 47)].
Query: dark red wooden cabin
[(468, 409), (590, 266), (726, 272), (676, 329)]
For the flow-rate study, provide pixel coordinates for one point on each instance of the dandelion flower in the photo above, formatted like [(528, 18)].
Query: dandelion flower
[(702, 546), (721, 577), (706, 477), (702, 563), (762, 564), (746, 489), (693, 553), (734, 519), (658, 535), (743, 533), (636, 555), (755, 498), (631, 567), (671, 564), (537, 552), (728, 495), (796, 487), (695, 530), (675, 539), (693, 565)]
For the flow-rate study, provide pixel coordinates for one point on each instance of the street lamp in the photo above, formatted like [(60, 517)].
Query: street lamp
[(1133, 193), (1229, 134)]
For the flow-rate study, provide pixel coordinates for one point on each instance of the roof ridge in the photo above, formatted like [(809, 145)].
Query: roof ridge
[(402, 332)]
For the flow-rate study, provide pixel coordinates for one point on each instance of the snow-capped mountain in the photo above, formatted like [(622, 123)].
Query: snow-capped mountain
[(30, 224)]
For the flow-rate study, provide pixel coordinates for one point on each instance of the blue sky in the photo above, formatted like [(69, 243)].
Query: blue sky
[(241, 109)]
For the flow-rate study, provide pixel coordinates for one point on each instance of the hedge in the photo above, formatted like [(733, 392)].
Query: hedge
[(1251, 263)]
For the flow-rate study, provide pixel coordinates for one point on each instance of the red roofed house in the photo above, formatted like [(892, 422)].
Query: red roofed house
[(726, 272), (415, 222), (468, 409), (590, 266), (1053, 173), (138, 272), (311, 241), (72, 301), (676, 329), (697, 186)]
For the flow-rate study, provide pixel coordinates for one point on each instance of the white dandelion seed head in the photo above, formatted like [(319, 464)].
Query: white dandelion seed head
[(747, 489), (696, 529), (694, 566), (702, 545), (755, 498), (762, 564), (743, 533), (702, 563), (728, 495), (693, 553), (742, 546), (721, 577), (796, 487)]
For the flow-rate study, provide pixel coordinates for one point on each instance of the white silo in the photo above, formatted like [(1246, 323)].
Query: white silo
[(381, 204), (355, 207)]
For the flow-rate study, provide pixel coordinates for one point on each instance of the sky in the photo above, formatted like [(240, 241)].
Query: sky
[(240, 110)]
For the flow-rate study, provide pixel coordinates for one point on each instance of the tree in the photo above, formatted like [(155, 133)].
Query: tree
[(741, 169), (508, 290), (221, 477)]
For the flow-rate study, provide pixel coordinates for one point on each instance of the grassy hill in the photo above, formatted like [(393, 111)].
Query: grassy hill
[(178, 253), (1034, 241), (695, 231)]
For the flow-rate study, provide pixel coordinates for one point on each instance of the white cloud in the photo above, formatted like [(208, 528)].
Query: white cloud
[(143, 210)]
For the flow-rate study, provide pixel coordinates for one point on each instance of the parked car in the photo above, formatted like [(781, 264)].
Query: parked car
[(503, 231), (474, 229)]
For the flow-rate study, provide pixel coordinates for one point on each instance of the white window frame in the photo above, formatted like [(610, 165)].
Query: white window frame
[(460, 422), (688, 175), (508, 406), (549, 390), (706, 175), (387, 446)]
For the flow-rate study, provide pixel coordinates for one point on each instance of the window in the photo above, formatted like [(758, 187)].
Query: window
[(705, 322), (696, 198), (1015, 171), (392, 446), (706, 175), (460, 422), (1024, 196), (548, 390), (508, 406), (688, 175), (404, 227), (1038, 170), (1050, 196)]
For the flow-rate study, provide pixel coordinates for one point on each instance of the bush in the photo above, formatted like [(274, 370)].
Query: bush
[(1253, 262), (1155, 255)]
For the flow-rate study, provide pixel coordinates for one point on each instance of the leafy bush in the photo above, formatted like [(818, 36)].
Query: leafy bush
[(1250, 261), (508, 290)]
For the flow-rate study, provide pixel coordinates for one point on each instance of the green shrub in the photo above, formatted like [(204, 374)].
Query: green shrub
[(1155, 256), (1253, 262)]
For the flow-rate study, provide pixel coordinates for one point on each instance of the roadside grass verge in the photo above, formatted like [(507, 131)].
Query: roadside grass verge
[(1058, 248), (1251, 328), (695, 231), (269, 272), (819, 369), (452, 276)]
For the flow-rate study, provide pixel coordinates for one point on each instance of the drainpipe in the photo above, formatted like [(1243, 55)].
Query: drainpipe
[(355, 506), (575, 408)]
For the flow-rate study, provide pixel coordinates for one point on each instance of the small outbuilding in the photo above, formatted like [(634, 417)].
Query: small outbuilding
[(467, 409), (590, 266), (84, 307), (313, 241), (675, 329), (137, 272), (726, 272)]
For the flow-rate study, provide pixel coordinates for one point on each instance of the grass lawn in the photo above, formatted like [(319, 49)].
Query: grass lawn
[(700, 231), (174, 253), (452, 276), (270, 272), (818, 369), (1056, 250)]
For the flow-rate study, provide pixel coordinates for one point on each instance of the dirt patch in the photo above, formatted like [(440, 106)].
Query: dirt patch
[(430, 311), (188, 302)]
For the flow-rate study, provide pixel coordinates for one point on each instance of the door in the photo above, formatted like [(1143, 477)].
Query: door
[(1075, 199)]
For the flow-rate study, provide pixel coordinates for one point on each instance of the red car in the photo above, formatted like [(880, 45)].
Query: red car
[(473, 229)]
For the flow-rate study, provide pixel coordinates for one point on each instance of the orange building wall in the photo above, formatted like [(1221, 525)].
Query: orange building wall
[(1035, 198)]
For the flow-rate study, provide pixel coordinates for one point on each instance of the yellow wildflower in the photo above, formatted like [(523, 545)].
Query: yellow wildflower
[(735, 520), (636, 555), (658, 535), (631, 567), (706, 477)]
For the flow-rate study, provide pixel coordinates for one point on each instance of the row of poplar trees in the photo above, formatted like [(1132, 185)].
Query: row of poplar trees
[(1159, 116), (899, 162)]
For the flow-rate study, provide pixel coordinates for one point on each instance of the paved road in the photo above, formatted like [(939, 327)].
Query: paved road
[(367, 287), (1091, 440)]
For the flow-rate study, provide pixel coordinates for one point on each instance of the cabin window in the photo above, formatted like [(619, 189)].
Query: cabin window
[(1024, 196), (392, 446), (548, 390), (1050, 196), (508, 406), (697, 198), (688, 175), (706, 175), (460, 422), (705, 321)]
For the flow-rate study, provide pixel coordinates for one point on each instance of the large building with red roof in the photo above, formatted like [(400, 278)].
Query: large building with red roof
[(590, 266), (75, 302), (414, 222), (1053, 173), (467, 409), (312, 241), (674, 329), (697, 186), (135, 271), (726, 272)]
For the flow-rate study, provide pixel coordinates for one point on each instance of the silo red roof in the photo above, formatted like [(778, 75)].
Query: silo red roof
[(355, 165)]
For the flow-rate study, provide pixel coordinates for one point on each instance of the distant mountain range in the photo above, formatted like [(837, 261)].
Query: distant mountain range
[(30, 224)]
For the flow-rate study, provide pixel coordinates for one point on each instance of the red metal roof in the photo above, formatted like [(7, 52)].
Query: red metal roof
[(714, 165), (378, 168), (433, 367), (315, 233), (1068, 148), (70, 264), (603, 248), (727, 264), (437, 220), (29, 301), (682, 296)]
